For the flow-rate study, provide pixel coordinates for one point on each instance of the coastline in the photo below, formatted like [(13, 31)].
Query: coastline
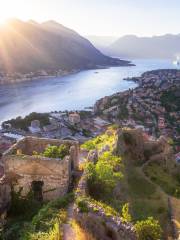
[(63, 74), (132, 79), (21, 80)]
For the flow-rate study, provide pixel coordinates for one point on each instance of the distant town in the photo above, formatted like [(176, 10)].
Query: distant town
[(41, 74), (153, 106)]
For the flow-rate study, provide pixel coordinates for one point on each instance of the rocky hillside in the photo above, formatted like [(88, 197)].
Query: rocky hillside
[(29, 46)]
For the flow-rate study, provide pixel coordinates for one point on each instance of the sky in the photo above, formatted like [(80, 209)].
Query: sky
[(100, 17)]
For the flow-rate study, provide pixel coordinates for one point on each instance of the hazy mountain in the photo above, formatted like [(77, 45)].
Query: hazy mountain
[(101, 41), (29, 46), (131, 46)]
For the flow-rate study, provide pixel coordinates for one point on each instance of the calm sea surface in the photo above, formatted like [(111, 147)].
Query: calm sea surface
[(71, 92)]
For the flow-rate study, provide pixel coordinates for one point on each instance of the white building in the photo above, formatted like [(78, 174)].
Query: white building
[(74, 118), (35, 126)]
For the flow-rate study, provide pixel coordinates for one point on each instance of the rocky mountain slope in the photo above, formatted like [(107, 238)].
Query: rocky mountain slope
[(29, 46)]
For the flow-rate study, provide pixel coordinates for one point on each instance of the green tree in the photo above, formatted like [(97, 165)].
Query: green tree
[(56, 151), (102, 176), (148, 229), (126, 216)]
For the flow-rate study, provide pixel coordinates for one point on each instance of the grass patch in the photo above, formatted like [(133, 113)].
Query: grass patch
[(167, 181), (138, 185), (145, 199)]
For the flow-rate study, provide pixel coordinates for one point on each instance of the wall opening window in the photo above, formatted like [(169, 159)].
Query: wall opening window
[(37, 190)]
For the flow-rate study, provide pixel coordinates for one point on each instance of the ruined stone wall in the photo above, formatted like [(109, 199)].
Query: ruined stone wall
[(103, 227), (55, 174), (30, 144), (23, 170), (139, 150), (96, 222), (131, 142)]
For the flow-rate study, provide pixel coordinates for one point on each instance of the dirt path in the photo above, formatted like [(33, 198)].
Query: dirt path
[(71, 229), (68, 230)]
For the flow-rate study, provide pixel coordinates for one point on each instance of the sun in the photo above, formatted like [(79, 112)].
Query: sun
[(11, 9)]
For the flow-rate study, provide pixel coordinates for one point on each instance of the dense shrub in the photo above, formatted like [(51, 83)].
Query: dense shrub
[(148, 229), (82, 204), (56, 151), (103, 177), (126, 216), (99, 141), (23, 207)]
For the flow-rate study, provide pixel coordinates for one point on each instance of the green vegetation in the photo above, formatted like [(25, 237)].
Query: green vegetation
[(24, 123), (84, 203), (126, 216), (170, 100), (23, 207), (123, 113), (169, 182), (116, 185), (138, 185), (102, 177), (148, 229), (137, 117), (85, 114), (56, 151), (44, 223), (145, 199), (100, 141), (86, 133)]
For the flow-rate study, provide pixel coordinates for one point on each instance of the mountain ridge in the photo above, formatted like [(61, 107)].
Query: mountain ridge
[(30, 46), (132, 46)]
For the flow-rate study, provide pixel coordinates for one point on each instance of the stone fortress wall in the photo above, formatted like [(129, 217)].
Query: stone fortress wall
[(133, 143), (51, 176)]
